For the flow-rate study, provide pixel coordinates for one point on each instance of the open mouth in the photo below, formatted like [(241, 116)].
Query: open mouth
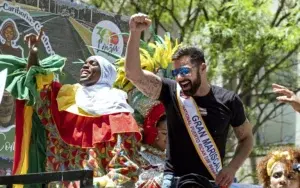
[(85, 73), (185, 85)]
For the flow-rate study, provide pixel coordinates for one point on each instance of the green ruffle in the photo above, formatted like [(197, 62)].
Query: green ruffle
[(21, 83)]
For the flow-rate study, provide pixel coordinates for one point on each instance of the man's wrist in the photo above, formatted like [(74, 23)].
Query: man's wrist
[(136, 33), (233, 167)]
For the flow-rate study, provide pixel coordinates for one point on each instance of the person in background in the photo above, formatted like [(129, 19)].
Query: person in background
[(287, 96), (150, 114), (198, 114), (276, 169)]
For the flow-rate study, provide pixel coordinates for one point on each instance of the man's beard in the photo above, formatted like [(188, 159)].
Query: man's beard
[(194, 86)]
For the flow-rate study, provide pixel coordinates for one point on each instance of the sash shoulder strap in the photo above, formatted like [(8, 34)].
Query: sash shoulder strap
[(199, 134)]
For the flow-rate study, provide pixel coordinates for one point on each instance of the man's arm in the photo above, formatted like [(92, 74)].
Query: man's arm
[(245, 144), (147, 82), (243, 150)]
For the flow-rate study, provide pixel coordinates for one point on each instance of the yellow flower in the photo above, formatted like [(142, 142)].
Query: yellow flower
[(277, 156), (161, 58)]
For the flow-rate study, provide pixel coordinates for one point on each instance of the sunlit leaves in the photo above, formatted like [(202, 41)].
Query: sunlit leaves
[(248, 42)]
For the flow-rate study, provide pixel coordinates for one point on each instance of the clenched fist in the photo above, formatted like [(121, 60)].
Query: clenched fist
[(139, 22)]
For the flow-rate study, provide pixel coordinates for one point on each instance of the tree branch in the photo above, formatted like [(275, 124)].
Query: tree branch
[(173, 16), (108, 5), (205, 14), (195, 19), (277, 12), (258, 104), (267, 117), (161, 25), (121, 7), (137, 7), (157, 18), (189, 13), (282, 18), (219, 13), (172, 5), (270, 70), (247, 176)]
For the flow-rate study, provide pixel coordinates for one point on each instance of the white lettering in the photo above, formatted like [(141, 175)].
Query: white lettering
[(6, 145), (26, 16)]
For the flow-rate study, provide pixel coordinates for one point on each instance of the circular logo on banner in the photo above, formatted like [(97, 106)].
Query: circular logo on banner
[(106, 38)]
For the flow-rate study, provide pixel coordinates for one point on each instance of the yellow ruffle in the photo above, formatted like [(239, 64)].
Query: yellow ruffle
[(42, 80), (66, 100), (66, 95)]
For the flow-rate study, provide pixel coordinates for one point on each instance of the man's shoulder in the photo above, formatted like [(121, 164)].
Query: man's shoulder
[(168, 90), (167, 82), (223, 93)]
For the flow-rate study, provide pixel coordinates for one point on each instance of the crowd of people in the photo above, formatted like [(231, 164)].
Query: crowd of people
[(162, 131)]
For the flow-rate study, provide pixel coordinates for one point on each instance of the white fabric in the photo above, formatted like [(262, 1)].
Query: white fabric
[(101, 98), (3, 75)]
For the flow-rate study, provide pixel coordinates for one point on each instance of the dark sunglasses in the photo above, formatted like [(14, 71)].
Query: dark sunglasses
[(183, 71)]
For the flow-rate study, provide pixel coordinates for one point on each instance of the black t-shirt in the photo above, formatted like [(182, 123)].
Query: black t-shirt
[(219, 109)]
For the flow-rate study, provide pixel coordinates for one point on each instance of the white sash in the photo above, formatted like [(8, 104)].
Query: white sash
[(200, 136)]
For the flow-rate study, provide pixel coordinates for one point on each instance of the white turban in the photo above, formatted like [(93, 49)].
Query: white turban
[(101, 98)]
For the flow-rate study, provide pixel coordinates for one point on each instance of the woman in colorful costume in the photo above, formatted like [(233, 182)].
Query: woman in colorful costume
[(150, 114), (276, 169), (67, 127)]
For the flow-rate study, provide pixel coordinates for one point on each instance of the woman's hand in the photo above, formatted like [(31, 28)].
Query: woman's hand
[(287, 96)]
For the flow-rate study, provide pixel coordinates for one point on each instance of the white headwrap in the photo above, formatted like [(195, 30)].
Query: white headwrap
[(101, 98)]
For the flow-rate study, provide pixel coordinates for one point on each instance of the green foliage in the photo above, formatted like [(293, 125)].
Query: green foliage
[(250, 44), (246, 42)]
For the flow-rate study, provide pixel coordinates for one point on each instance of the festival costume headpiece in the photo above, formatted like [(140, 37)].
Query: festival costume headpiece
[(147, 113), (155, 57), (275, 158)]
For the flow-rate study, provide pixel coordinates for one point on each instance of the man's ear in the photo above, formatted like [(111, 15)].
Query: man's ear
[(203, 67)]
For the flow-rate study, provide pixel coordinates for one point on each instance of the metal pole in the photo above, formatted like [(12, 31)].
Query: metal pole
[(91, 15), (49, 6)]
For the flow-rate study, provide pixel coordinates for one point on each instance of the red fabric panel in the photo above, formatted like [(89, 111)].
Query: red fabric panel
[(19, 133), (85, 132)]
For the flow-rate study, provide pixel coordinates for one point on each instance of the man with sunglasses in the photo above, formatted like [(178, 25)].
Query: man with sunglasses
[(198, 114)]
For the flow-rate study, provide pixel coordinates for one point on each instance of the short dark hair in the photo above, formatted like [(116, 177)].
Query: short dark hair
[(162, 118), (195, 53)]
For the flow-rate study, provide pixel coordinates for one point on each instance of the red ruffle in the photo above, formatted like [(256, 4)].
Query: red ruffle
[(150, 121), (85, 131)]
